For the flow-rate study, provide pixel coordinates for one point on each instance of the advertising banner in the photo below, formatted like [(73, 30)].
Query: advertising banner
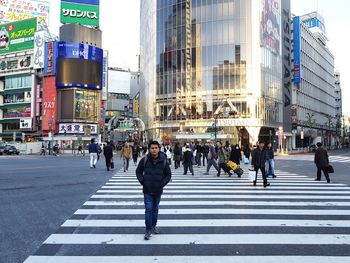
[(105, 75), (18, 112), (74, 13), (17, 10), (50, 58), (270, 25), (17, 36), (13, 64), (81, 51), (297, 63), (49, 105), (76, 128), (39, 50), (136, 105)]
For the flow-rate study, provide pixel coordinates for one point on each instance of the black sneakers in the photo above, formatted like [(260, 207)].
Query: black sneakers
[(148, 234)]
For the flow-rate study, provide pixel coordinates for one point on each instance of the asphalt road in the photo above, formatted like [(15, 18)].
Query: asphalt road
[(38, 193)]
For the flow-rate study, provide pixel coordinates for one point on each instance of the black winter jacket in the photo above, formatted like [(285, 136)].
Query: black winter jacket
[(154, 174), (259, 157), (321, 157), (235, 155)]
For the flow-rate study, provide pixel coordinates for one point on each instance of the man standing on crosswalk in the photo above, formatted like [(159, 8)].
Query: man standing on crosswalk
[(153, 173)]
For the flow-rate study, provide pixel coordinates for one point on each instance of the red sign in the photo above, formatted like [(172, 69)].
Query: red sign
[(49, 104)]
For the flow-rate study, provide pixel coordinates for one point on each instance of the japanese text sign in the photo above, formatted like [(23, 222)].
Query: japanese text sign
[(80, 14)]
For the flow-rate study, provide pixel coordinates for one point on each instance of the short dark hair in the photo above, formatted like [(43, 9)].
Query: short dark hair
[(261, 141), (319, 144), (153, 143)]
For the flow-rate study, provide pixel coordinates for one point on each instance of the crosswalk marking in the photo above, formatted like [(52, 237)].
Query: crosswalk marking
[(132, 239), (204, 218)]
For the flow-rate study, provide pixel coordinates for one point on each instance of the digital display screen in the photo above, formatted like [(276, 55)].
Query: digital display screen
[(73, 72)]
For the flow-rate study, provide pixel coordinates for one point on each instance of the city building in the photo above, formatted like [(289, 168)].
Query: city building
[(314, 97), (216, 69)]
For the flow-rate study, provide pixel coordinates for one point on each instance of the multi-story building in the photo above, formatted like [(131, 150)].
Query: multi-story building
[(216, 69), (314, 102)]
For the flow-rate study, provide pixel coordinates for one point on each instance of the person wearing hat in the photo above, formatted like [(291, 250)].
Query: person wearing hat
[(322, 162)]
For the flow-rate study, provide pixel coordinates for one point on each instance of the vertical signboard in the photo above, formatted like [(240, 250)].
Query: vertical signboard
[(286, 66), (49, 105), (17, 36), (39, 50), (105, 75), (296, 40), (50, 58)]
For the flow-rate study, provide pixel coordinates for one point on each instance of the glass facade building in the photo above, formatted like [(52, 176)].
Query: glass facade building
[(211, 61)]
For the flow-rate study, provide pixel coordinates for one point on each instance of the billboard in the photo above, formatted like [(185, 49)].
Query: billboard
[(76, 128), (25, 124), (17, 36), (297, 62), (39, 50), (83, 2), (80, 65), (50, 58), (17, 10), (105, 76), (270, 25), (49, 105), (83, 14), (13, 64)]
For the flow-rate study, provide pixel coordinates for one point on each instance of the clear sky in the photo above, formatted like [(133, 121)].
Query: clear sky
[(120, 25)]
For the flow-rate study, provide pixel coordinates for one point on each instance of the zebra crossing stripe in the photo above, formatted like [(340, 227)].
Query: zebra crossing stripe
[(210, 223), (185, 259), (213, 203), (191, 211), (199, 239), (232, 196)]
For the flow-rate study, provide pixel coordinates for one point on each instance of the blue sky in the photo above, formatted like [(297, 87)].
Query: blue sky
[(120, 25)]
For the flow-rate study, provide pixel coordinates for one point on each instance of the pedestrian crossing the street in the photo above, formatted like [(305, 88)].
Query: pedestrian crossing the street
[(204, 218)]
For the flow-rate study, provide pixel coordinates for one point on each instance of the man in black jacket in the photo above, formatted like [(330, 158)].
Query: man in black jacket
[(108, 153), (259, 158), (153, 173), (322, 162)]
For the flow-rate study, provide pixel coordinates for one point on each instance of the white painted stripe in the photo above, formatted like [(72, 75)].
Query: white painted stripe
[(268, 196), (210, 223), (199, 239), (186, 259), (236, 191), (213, 203), (221, 211), (237, 183), (235, 187)]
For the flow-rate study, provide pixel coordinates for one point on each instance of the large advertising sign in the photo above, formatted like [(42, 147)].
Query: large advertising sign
[(296, 40), (39, 50), (270, 25), (17, 36), (17, 10), (49, 105), (50, 58), (83, 2), (83, 14), (82, 64), (12, 64), (105, 76)]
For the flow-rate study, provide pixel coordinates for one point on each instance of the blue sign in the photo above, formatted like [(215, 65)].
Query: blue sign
[(314, 22), (50, 58), (296, 40), (80, 51), (83, 2)]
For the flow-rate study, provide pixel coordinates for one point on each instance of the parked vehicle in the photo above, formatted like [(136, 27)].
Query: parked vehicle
[(9, 149)]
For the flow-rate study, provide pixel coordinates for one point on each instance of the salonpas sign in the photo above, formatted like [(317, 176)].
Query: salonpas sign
[(17, 36), (83, 14)]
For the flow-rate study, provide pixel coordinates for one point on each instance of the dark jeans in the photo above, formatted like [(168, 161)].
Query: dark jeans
[(188, 166), (224, 167), (205, 157), (212, 163), (319, 169), (263, 172), (151, 210), (126, 164), (108, 162)]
